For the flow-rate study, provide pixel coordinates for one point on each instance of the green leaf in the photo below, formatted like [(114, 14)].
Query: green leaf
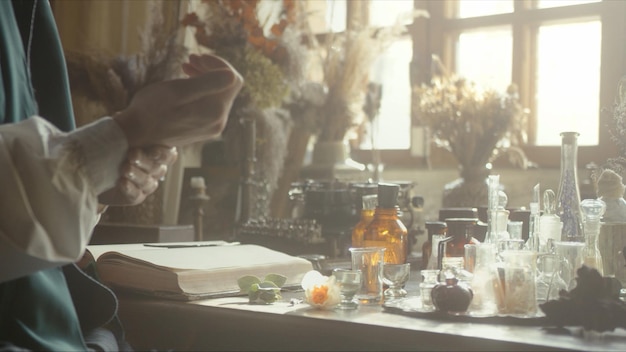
[(246, 282), (278, 280), (268, 284)]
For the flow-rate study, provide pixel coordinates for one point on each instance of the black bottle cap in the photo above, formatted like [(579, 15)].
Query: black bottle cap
[(388, 195)]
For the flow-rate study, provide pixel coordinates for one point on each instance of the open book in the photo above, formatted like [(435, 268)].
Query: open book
[(192, 270)]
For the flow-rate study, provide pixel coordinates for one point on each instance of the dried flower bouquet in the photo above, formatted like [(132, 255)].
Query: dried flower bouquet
[(470, 122)]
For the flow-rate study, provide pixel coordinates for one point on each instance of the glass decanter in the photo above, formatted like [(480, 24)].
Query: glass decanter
[(593, 210)]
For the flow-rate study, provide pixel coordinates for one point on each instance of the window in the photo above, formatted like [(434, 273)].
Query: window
[(566, 56)]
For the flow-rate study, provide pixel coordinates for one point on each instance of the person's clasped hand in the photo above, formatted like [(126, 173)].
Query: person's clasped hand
[(183, 111), (169, 114), (140, 174)]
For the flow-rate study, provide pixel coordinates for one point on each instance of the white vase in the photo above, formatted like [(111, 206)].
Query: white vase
[(332, 160)]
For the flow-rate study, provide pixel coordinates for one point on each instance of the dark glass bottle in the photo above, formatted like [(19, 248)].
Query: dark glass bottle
[(451, 296), (461, 231), (386, 230)]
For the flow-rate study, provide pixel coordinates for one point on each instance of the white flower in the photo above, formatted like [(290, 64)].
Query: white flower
[(321, 291)]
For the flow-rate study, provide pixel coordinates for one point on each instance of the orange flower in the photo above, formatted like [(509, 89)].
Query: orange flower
[(319, 294), (321, 291)]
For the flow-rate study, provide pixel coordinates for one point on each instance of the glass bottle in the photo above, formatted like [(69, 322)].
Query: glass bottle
[(492, 207), (367, 215), (568, 195), (502, 218), (461, 231), (436, 229), (430, 279), (550, 223), (593, 210), (451, 296), (386, 230), (485, 283)]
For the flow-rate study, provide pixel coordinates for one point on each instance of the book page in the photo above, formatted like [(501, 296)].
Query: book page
[(98, 249), (195, 270)]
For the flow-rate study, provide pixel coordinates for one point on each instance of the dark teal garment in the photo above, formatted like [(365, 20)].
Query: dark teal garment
[(41, 311), (50, 97)]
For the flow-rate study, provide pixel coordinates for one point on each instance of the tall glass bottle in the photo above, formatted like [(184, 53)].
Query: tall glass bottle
[(568, 195), (367, 215), (386, 230)]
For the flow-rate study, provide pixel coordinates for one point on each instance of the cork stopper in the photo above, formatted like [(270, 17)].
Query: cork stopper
[(388, 195), (569, 137)]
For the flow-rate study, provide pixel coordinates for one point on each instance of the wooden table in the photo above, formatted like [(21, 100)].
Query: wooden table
[(232, 324)]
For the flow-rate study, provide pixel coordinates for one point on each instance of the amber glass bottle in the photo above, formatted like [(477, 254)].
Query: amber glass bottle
[(367, 215), (462, 231), (386, 230)]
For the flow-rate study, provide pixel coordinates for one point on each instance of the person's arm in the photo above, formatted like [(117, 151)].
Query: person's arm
[(50, 184), (51, 180)]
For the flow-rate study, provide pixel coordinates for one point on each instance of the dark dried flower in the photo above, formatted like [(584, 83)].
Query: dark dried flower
[(594, 304)]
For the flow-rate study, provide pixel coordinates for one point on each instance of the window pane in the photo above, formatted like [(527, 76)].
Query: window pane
[(475, 8), (568, 82), (327, 15), (489, 71), (384, 13), (542, 4), (392, 126)]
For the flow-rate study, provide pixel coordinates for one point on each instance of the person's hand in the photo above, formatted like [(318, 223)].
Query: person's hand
[(139, 175), (183, 111), (201, 64)]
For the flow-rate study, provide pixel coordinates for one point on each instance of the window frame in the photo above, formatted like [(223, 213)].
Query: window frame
[(437, 35)]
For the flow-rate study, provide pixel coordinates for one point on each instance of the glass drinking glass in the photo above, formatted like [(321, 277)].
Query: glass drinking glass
[(370, 260), (349, 284), (396, 276), (549, 281)]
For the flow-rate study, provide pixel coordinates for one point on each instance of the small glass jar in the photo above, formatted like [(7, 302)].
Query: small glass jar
[(430, 278)]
